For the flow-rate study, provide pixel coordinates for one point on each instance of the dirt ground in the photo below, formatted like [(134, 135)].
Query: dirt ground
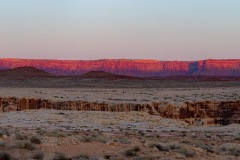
[(126, 95), (61, 135), (53, 134)]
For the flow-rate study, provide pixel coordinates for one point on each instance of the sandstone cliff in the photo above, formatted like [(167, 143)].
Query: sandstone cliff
[(139, 68), (198, 113)]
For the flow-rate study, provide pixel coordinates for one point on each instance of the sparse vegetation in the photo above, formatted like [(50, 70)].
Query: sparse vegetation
[(145, 158), (35, 140), (2, 144), (4, 132), (40, 131), (136, 149), (174, 146), (81, 157), (129, 153), (107, 156), (20, 136), (141, 133), (60, 156), (186, 152), (199, 144), (132, 152), (97, 138), (129, 140), (56, 133), (160, 147), (25, 145), (122, 140), (5, 156), (87, 139), (38, 156), (233, 149)]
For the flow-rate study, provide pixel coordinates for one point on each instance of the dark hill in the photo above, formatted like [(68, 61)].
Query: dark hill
[(24, 72), (104, 75)]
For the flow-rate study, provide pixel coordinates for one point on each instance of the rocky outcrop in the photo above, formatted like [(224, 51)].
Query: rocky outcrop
[(204, 113), (138, 68), (198, 113)]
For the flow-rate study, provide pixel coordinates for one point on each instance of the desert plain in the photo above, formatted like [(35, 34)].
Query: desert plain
[(61, 133)]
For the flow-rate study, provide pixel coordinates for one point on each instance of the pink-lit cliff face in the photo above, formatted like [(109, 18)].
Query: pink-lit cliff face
[(140, 68)]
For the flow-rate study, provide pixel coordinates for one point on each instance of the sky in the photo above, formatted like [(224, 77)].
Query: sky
[(115, 29)]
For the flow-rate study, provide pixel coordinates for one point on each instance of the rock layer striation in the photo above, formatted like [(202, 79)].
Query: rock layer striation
[(197, 113)]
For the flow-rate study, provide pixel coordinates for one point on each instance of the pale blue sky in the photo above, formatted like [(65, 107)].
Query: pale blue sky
[(136, 29)]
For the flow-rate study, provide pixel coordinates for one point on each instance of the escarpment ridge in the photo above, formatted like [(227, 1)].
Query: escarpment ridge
[(196, 113), (127, 67)]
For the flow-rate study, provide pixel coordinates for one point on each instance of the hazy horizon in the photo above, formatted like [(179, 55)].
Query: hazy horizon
[(170, 30)]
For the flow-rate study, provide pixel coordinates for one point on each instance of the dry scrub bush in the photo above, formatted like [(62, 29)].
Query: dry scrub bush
[(5, 156), (56, 134), (38, 155), (25, 145), (231, 149), (35, 140)]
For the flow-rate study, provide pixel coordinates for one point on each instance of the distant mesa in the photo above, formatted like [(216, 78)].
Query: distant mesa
[(135, 68)]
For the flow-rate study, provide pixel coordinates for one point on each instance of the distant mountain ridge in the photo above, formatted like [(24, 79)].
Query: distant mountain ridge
[(137, 68)]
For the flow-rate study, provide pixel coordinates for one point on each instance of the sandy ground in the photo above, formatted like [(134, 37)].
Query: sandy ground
[(66, 135), (108, 135), (84, 120), (128, 95)]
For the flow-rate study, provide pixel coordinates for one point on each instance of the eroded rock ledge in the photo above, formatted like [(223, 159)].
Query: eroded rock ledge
[(197, 113)]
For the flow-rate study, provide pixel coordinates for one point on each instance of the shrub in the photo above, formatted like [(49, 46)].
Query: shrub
[(122, 140), (102, 139), (5, 156), (20, 136), (4, 132), (94, 138), (132, 152), (141, 133), (145, 158), (129, 153), (136, 149), (38, 156), (107, 156), (174, 146), (56, 134), (161, 147), (87, 139), (186, 152), (81, 157), (35, 140), (237, 138), (41, 132), (207, 148), (26, 145), (2, 144), (60, 156), (231, 150), (235, 151)]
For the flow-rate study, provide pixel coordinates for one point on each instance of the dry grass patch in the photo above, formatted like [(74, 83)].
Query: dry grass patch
[(230, 149), (56, 133)]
